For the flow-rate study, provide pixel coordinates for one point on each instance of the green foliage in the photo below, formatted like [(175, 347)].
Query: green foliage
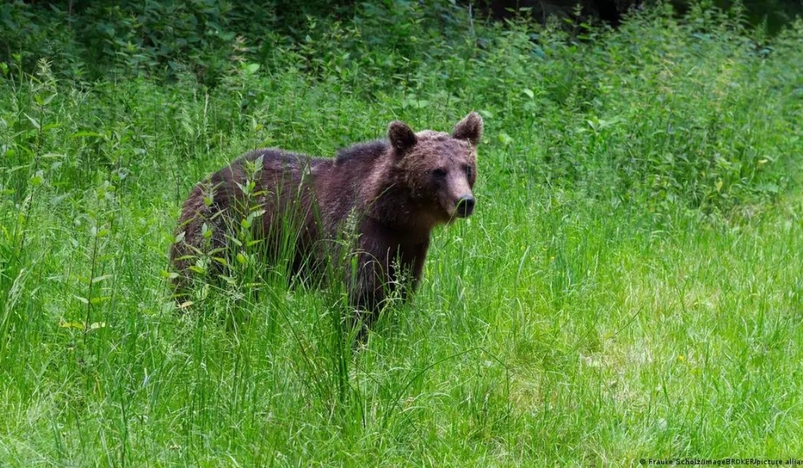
[(162, 38), (26, 35), (771, 15)]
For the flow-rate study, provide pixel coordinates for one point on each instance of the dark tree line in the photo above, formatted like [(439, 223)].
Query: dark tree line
[(86, 38), (775, 13), (291, 13)]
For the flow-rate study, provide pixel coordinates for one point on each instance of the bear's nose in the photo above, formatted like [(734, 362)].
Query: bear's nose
[(465, 206)]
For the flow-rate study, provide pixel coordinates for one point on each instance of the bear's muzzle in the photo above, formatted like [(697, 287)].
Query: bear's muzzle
[(465, 206)]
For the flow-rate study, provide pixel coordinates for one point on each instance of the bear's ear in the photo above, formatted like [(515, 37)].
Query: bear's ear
[(401, 136), (470, 128)]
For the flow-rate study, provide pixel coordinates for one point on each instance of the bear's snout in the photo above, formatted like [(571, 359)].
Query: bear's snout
[(465, 206)]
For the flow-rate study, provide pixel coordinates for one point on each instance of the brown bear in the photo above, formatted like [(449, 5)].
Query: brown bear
[(382, 197)]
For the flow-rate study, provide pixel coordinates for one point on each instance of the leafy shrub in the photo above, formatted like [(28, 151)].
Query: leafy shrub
[(26, 35)]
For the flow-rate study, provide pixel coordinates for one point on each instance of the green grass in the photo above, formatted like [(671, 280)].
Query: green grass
[(627, 288)]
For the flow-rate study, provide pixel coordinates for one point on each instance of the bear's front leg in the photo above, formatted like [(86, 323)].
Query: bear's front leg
[(368, 289)]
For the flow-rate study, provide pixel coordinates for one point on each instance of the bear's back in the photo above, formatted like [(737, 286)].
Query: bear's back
[(339, 181), (361, 154)]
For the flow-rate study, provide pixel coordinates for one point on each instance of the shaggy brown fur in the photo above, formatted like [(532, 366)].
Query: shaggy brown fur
[(385, 196)]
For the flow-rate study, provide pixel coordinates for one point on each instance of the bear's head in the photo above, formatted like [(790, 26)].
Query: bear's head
[(437, 169)]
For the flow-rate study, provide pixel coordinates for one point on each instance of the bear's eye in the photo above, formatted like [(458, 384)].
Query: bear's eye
[(469, 171), (439, 173)]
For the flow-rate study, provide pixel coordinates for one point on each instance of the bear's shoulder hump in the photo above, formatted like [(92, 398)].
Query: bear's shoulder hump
[(362, 152)]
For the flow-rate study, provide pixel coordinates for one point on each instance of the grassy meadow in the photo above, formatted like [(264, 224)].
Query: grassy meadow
[(629, 286)]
